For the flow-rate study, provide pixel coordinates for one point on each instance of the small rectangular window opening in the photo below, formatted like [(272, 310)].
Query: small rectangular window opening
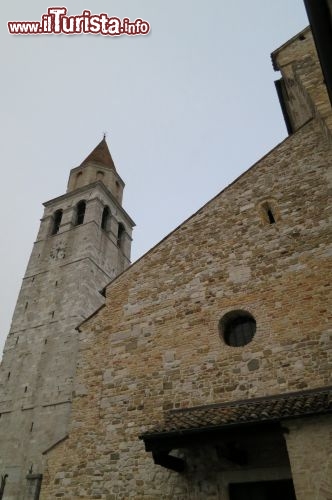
[(52, 314), (31, 427), (8, 376), (26, 306), (25, 388)]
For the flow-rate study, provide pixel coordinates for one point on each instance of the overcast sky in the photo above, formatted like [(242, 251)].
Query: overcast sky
[(186, 109)]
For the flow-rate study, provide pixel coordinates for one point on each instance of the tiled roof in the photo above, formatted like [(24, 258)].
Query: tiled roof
[(101, 155), (268, 409)]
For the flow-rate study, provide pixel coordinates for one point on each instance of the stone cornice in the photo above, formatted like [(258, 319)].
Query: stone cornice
[(84, 189)]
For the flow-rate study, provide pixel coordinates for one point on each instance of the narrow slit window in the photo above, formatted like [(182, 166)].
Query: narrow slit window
[(269, 212), (270, 216), (31, 427), (25, 388)]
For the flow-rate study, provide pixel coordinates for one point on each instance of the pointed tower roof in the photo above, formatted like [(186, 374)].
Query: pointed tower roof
[(101, 155)]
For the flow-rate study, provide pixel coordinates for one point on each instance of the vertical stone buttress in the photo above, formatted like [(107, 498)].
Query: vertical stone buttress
[(83, 242)]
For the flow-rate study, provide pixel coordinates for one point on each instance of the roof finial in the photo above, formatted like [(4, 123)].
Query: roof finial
[(104, 136)]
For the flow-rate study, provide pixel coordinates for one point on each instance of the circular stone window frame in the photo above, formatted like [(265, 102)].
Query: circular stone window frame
[(230, 320)]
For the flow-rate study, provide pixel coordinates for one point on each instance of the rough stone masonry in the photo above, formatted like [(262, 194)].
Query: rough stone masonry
[(262, 247)]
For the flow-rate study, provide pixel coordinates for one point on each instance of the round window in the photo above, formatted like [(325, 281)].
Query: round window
[(237, 328)]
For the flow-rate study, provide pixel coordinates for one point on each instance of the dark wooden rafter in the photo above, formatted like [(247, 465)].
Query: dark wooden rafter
[(229, 443), (168, 461)]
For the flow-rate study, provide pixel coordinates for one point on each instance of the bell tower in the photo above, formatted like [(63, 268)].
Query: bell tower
[(84, 241)]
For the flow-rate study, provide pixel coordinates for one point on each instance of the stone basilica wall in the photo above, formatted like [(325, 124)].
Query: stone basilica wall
[(156, 345)]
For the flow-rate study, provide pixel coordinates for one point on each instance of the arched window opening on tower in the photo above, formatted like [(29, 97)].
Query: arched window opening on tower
[(121, 234), (80, 212), (100, 175), (105, 218), (56, 221)]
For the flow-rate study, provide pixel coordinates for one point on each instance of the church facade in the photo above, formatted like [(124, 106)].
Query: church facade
[(206, 373)]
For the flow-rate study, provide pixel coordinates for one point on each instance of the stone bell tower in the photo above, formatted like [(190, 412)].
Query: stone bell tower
[(83, 242)]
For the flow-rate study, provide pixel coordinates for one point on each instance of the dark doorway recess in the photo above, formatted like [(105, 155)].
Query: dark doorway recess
[(263, 490)]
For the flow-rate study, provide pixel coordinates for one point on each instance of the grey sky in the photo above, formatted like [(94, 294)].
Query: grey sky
[(186, 110)]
